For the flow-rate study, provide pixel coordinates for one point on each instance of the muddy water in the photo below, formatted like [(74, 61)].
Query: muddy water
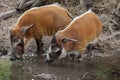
[(96, 68)]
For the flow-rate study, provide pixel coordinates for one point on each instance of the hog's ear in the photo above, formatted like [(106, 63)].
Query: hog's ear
[(65, 40), (24, 29)]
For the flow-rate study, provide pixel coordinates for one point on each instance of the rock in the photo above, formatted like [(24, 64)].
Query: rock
[(3, 51)]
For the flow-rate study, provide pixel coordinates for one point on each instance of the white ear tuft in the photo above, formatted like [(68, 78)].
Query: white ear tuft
[(65, 39)]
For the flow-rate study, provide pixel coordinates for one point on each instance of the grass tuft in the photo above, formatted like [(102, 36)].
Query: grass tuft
[(4, 69)]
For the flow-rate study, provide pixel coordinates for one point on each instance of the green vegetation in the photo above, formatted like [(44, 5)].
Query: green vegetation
[(115, 71), (4, 69), (103, 72), (111, 72)]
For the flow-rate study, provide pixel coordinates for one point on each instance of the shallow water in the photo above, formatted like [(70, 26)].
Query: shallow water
[(37, 69)]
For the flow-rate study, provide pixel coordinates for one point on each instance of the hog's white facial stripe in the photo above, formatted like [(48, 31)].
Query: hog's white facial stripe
[(63, 54), (57, 50), (48, 57), (16, 43), (49, 50)]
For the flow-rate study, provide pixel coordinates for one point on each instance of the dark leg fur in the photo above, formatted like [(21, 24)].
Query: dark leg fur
[(79, 58), (89, 49), (39, 44), (72, 56), (75, 57)]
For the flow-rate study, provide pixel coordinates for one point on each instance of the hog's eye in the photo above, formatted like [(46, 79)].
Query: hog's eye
[(53, 46), (15, 39)]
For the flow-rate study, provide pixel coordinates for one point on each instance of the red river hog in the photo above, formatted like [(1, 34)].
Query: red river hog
[(36, 23), (74, 39)]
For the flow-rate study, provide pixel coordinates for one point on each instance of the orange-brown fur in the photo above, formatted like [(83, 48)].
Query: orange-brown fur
[(84, 29), (46, 20)]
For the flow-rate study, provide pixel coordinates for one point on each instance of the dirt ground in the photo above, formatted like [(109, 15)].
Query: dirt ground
[(110, 38), (105, 9)]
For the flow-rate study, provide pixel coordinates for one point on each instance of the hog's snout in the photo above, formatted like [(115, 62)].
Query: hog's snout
[(16, 54), (49, 61)]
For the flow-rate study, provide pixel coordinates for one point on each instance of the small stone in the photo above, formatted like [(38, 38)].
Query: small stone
[(3, 51)]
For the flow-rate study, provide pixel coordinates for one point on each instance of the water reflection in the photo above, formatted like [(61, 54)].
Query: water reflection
[(37, 69)]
